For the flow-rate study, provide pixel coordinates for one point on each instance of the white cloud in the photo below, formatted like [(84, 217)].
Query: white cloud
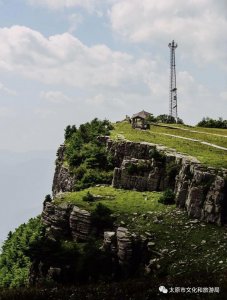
[(75, 20), (6, 90), (56, 97), (63, 59), (200, 27), (59, 4)]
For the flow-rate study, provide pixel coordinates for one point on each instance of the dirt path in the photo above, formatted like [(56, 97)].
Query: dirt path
[(194, 140)]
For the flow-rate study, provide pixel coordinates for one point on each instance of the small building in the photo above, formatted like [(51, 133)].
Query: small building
[(139, 120)]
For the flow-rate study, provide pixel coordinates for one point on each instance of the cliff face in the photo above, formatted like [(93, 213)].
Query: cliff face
[(66, 221), (201, 190), (63, 179)]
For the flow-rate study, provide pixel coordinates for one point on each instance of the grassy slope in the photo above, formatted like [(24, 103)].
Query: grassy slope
[(190, 246), (205, 154)]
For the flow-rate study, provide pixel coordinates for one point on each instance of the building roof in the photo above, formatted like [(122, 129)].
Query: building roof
[(142, 114)]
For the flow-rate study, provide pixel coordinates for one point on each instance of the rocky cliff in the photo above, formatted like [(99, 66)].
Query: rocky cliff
[(63, 180), (199, 189), (69, 222)]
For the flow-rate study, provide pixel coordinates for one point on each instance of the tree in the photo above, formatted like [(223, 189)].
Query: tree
[(212, 123)]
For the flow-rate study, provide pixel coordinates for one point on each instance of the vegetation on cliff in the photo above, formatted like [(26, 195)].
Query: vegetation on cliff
[(172, 137), (180, 246), (174, 241), (14, 260), (86, 156)]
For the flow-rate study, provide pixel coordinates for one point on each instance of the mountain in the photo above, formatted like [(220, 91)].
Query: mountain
[(131, 210)]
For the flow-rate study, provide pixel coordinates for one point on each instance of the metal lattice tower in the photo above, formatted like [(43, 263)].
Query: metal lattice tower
[(173, 83)]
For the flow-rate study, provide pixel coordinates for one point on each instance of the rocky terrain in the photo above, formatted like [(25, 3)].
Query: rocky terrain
[(201, 190)]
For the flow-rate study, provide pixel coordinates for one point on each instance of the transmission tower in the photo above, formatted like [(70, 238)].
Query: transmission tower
[(173, 83)]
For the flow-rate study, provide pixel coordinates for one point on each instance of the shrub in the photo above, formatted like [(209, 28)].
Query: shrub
[(79, 172), (156, 155), (212, 123), (131, 169), (86, 156), (47, 199), (168, 119), (14, 259), (88, 197), (101, 218), (167, 198)]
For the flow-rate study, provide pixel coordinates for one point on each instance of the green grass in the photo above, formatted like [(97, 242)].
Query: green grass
[(205, 154), (173, 233), (118, 200), (213, 139)]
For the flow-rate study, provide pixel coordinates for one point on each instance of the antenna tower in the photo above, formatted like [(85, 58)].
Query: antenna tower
[(173, 83)]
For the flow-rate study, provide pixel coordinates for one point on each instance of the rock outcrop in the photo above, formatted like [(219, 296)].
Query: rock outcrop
[(66, 221), (63, 180), (201, 190), (80, 224), (56, 219)]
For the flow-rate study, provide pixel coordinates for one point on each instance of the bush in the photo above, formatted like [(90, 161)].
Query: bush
[(14, 259), (101, 218), (93, 177), (131, 169), (88, 197), (167, 198), (168, 119), (87, 156), (212, 123), (156, 155)]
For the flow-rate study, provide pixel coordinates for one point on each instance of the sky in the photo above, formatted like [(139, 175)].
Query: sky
[(68, 61)]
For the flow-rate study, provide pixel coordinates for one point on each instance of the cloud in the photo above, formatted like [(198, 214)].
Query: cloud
[(59, 4), (200, 27), (63, 59), (56, 97), (75, 20), (6, 90), (105, 82)]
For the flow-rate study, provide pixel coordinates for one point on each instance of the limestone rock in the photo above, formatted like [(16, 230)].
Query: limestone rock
[(63, 180), (80, 224), (56, 219), (109, 242)]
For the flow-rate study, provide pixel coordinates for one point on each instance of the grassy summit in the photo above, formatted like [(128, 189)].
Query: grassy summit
[(206, 154)]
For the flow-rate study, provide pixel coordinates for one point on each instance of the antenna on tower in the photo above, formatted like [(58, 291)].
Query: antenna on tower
[(173, 83)]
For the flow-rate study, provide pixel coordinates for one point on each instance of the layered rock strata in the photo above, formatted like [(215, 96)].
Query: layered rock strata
[(201, 190), (80, 224), (66, 221), (63, 180)]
